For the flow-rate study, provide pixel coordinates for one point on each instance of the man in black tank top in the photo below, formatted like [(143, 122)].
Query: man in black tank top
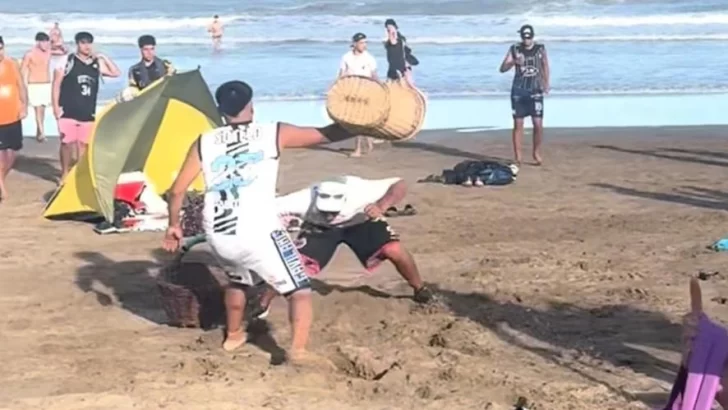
[(530, 83), (74, 95)]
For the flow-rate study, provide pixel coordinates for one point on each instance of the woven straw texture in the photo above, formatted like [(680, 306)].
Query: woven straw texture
[(192, 294), (403, 118), (358, 102)]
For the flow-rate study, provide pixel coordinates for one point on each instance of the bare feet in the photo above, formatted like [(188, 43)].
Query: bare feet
[(355, 154), (3, 194), (40, 138), (537, 160), (234, 340)]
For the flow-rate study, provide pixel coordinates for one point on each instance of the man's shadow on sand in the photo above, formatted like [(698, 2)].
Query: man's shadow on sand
[(41, 168), (132, 285), (610, 333), (339, 148)]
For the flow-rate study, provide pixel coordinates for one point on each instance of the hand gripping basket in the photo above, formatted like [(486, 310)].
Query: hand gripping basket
[(192, 293), (392, 111)]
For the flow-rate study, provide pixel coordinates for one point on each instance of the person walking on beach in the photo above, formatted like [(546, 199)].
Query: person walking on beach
[(13, 109), (216, 31), (239, 164), (75, 93), (399, 55), (56, 38), (151, 68), (358, 61), (530, 82), (36, 71)]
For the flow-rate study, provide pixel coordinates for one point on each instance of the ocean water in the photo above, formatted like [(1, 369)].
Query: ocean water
[(647, 56)]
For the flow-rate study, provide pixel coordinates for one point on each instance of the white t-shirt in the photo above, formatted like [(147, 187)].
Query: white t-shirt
[(240, 169), (362, 64), (360, 192)]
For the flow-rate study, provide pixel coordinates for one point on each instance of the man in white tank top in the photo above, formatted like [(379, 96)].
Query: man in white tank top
[(239, 163)]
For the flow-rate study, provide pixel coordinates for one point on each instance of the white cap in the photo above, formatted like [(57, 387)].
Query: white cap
[(331, 196)]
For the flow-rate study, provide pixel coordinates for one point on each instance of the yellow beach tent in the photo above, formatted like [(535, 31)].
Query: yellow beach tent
[(150, 133)]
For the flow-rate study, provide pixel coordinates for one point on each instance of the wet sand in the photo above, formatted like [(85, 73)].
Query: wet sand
[(565, 287)]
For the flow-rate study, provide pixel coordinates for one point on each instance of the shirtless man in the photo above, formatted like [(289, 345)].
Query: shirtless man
[(216, 30), (36, 72), (239, 164), (57, 46)]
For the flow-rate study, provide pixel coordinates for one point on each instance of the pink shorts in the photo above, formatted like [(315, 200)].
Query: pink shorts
[(75, 131)]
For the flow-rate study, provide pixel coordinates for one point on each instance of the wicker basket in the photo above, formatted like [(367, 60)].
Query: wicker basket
[(404, 111), (356, 101), (192, 293), (406, 114)]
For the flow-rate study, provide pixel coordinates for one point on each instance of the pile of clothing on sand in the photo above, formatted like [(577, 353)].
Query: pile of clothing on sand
[(476, 173)]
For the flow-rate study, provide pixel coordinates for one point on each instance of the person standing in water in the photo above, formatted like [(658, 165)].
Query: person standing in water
[(13, 109), (56, 39), (530, 82), (151, 68), (399, 55), (75, 93), (216, 31), (36, 71), (358, 61)]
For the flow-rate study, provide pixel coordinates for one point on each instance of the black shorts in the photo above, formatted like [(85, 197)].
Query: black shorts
[(11, 136), (317, 245), (527, 105)]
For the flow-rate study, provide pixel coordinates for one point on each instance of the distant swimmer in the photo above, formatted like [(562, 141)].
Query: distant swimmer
[(75, 94), (36, 71), (56, 37), (151, 68), (216, 31), (530, 82)]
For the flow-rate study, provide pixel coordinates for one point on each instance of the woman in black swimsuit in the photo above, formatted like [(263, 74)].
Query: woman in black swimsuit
[(399, 55)]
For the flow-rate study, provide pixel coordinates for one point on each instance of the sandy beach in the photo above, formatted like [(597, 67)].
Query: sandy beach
[(565, 287)]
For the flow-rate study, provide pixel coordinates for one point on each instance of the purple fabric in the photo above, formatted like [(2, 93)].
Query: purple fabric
[(695, 387)]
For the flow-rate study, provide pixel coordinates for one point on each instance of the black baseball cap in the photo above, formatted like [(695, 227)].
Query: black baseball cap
[(233, 96), (526, 32), (41, 36), (146, 40), (84, 37), (358, 37)]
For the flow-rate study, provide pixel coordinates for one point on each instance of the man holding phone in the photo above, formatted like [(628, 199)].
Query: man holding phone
[(530, 83)]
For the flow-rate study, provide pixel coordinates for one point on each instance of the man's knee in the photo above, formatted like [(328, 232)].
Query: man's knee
[(235, 296), (518, 123), (537, 123), (299, 294), (394, 251)]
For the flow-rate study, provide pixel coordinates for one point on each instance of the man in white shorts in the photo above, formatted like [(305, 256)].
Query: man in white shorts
[(239, 163), (349, 210), (36, 71), (358, 61)]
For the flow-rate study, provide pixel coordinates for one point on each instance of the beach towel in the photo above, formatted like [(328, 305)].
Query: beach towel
[(706, 350)]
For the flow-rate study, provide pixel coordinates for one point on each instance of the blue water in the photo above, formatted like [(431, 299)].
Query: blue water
[(651, 56)]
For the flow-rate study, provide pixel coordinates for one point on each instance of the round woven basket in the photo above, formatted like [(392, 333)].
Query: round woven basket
[(406, 113), (192, 293), (357, 101)]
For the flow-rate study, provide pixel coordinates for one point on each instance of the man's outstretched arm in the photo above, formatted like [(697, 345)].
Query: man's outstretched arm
[(291, 136)]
